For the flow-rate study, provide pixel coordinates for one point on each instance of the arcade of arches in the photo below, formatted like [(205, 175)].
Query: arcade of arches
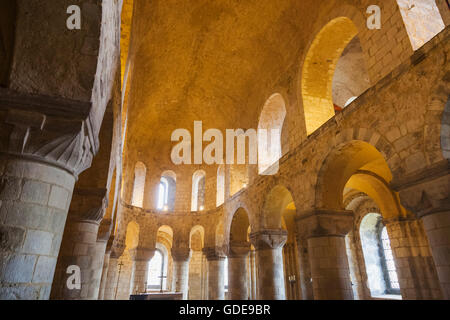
[(350, 200)]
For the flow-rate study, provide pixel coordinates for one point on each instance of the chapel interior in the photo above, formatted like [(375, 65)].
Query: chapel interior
[(349, 200)]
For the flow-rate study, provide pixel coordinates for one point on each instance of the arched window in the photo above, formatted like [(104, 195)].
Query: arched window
[(139, 185), (220, 198), (379, 261), (198, 191), (157, 272), (225, 275), (388, 261), (167, 191), (270, 127), (334, 70), (163, 193), (422, 20)]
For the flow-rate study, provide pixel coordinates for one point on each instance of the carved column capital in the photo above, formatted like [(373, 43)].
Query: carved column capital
[(425, 192), (117, 250), (181, 254), (268, 239), (54, 131), (142, 254), (238, 249), (104, 230), (323, 222), (88, 205), (214, 253)]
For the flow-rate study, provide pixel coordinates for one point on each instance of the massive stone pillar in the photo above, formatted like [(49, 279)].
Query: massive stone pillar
[(291, 267), (141, 258), (360, 287), (112, 278), (104, 279), (80, 248), (415, 266), (40, 159), (238, 271), (426, 194), (180, 274), (325, 232), (104, 243), (269, 259), (305, 269), (113, 272), (216, 267)]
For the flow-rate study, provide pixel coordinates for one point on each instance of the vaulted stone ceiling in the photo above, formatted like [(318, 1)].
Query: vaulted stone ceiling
[(215, 61)]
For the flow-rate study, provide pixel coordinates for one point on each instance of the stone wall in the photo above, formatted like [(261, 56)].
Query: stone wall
[(395, 116)]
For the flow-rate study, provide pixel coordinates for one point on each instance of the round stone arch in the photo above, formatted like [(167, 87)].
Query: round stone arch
[(324, 17), (272, 116), (289, 108), (132, 235), (197, 229), (249, 203), (379, 191), (277, 200), (345, 160), (291, 117), (362, 204), (333, 31), (166, 230), (437, 122), (164, 235), (239, 226)]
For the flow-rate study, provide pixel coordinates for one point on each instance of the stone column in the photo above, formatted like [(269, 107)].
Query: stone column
[(180, 274), (111, 282), (291, 267), (141, 258), (269, 260), (80, 248), (104, 279), (360, 287), (325, 232), (113, 272), (415, 267), (426, 194), (238, 271), (105, 239), (216, 267), (305, 269), (437, 227), (40, 159)]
